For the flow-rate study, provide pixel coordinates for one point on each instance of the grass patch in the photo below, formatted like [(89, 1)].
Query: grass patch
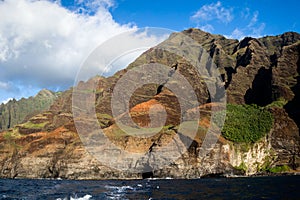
[(243, 147), (10, 137), (242, 167), (142, 131), (89, 91), (103, 116), (279, 169), (246, 123), (30, 125), (278, 103), (188, 129), (117, 132), (104, 119)]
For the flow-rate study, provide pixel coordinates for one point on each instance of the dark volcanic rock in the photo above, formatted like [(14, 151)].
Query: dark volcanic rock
[(285, 139)]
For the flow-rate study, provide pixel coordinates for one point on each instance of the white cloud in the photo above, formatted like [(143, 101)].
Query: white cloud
[(208, 28), (42, 44), (212, 12), (245, 13), (253, 28), (258, 30), (4, 85), (236, 34), (6, 100), (92, 6), (125, 48), (253, 19)]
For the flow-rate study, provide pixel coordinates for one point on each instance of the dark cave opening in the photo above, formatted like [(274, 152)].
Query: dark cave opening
[(159, 89), (147, 172)]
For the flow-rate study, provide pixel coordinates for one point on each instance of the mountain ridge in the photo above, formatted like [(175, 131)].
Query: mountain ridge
[(262, 71), (16, 111)]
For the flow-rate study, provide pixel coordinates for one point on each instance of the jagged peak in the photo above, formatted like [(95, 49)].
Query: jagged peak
[(284, 35), (246, 42), (45, 92), (199, 32), (275, 44), (16, 111), (196, 31), (291, 33)]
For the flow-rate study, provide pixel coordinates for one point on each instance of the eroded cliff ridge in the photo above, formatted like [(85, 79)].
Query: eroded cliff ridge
[(15, 112), (261, 72)]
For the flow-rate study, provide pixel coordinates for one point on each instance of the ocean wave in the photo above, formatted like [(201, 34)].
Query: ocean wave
[(118, 192), (85, 197), (119, 188)]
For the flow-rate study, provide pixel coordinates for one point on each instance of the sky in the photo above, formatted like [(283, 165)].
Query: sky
[(43, 43)]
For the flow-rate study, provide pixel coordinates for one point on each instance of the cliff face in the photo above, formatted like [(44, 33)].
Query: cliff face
[(262, 71), (15, 112)]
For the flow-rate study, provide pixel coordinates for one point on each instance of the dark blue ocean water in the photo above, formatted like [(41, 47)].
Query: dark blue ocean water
[(280, 187)]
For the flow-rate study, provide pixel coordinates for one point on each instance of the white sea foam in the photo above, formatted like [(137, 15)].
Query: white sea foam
[(85, 197), (119, 189), (118, 192)]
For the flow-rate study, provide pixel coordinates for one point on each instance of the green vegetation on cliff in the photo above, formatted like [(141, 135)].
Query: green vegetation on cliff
[(246, 123), (280, 103), (15, 112), (279, 169)]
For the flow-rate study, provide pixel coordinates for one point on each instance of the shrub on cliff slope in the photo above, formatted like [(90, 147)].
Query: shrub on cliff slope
[(246, 123)]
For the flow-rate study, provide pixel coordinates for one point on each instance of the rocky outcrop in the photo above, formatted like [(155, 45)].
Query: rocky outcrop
[(262, 71), (285, 140)]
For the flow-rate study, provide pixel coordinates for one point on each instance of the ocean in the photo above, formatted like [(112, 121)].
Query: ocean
[(278, 187)]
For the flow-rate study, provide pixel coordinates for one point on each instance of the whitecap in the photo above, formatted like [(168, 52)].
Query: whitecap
[(119, 189), (118, 192), (85, 197)]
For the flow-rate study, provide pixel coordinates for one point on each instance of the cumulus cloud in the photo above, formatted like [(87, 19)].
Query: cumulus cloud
[(213, 11), (90, 7), (42, 44), (111, 56)]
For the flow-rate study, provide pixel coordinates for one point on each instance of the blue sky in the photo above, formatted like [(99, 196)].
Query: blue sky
[(43, 43), (277, 16), (268, 17)]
